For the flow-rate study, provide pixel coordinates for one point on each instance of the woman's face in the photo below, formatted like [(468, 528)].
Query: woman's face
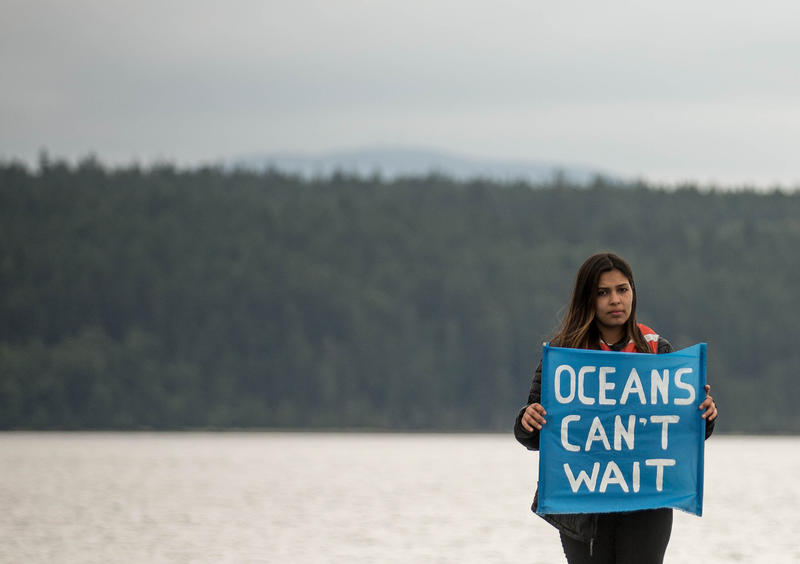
[(613, 303)]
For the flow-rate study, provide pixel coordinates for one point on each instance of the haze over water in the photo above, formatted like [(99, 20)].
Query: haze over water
[(319, 498)]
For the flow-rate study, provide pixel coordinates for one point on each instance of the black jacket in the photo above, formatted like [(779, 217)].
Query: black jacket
[(580, 526)]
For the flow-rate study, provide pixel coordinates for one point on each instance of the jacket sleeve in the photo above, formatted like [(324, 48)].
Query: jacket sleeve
[(530, 439), (664, 346)]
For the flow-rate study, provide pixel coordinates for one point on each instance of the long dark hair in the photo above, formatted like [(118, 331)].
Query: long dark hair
[(578, 329)]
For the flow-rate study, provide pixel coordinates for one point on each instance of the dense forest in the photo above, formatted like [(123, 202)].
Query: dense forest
[(164, 298)]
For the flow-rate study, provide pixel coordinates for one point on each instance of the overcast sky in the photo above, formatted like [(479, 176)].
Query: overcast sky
[(685, 89)]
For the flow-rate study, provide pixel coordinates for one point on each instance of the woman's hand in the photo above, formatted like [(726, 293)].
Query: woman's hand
[(708, 406), (533, 417)]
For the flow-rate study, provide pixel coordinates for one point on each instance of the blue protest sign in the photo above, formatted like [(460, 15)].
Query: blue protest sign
[(623, 431)]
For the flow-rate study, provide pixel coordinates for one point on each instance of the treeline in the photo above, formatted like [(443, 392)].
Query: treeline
[(164, 298)]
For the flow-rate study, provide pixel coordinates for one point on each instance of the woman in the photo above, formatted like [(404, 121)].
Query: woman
[(602, 315)]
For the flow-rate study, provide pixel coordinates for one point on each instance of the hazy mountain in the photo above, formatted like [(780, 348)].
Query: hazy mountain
[(405, 161)]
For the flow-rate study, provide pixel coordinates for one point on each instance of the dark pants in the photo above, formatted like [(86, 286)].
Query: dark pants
[(638, 537)]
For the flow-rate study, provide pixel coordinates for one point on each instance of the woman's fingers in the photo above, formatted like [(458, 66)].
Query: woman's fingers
[(710, 413), (533, 418), (708, 406)]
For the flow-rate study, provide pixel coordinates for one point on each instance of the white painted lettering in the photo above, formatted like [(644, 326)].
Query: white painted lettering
[(620, 432), (565, 433), (616, 478), (684, 386), (633, 385), (597, 433), (606, 386), (659, 383), (560, 398), (583, 477), (581, 374), (660, 463), (665, 420)]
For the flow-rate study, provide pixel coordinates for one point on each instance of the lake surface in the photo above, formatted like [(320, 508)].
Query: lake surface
[(319, 498)]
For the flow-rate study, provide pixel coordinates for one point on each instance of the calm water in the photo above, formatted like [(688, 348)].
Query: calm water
[(308, 498)]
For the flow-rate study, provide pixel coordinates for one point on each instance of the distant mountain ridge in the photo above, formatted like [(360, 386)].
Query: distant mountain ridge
[(393, 162)]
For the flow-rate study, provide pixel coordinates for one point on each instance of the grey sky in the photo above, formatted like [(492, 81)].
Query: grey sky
[(668, 90)]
